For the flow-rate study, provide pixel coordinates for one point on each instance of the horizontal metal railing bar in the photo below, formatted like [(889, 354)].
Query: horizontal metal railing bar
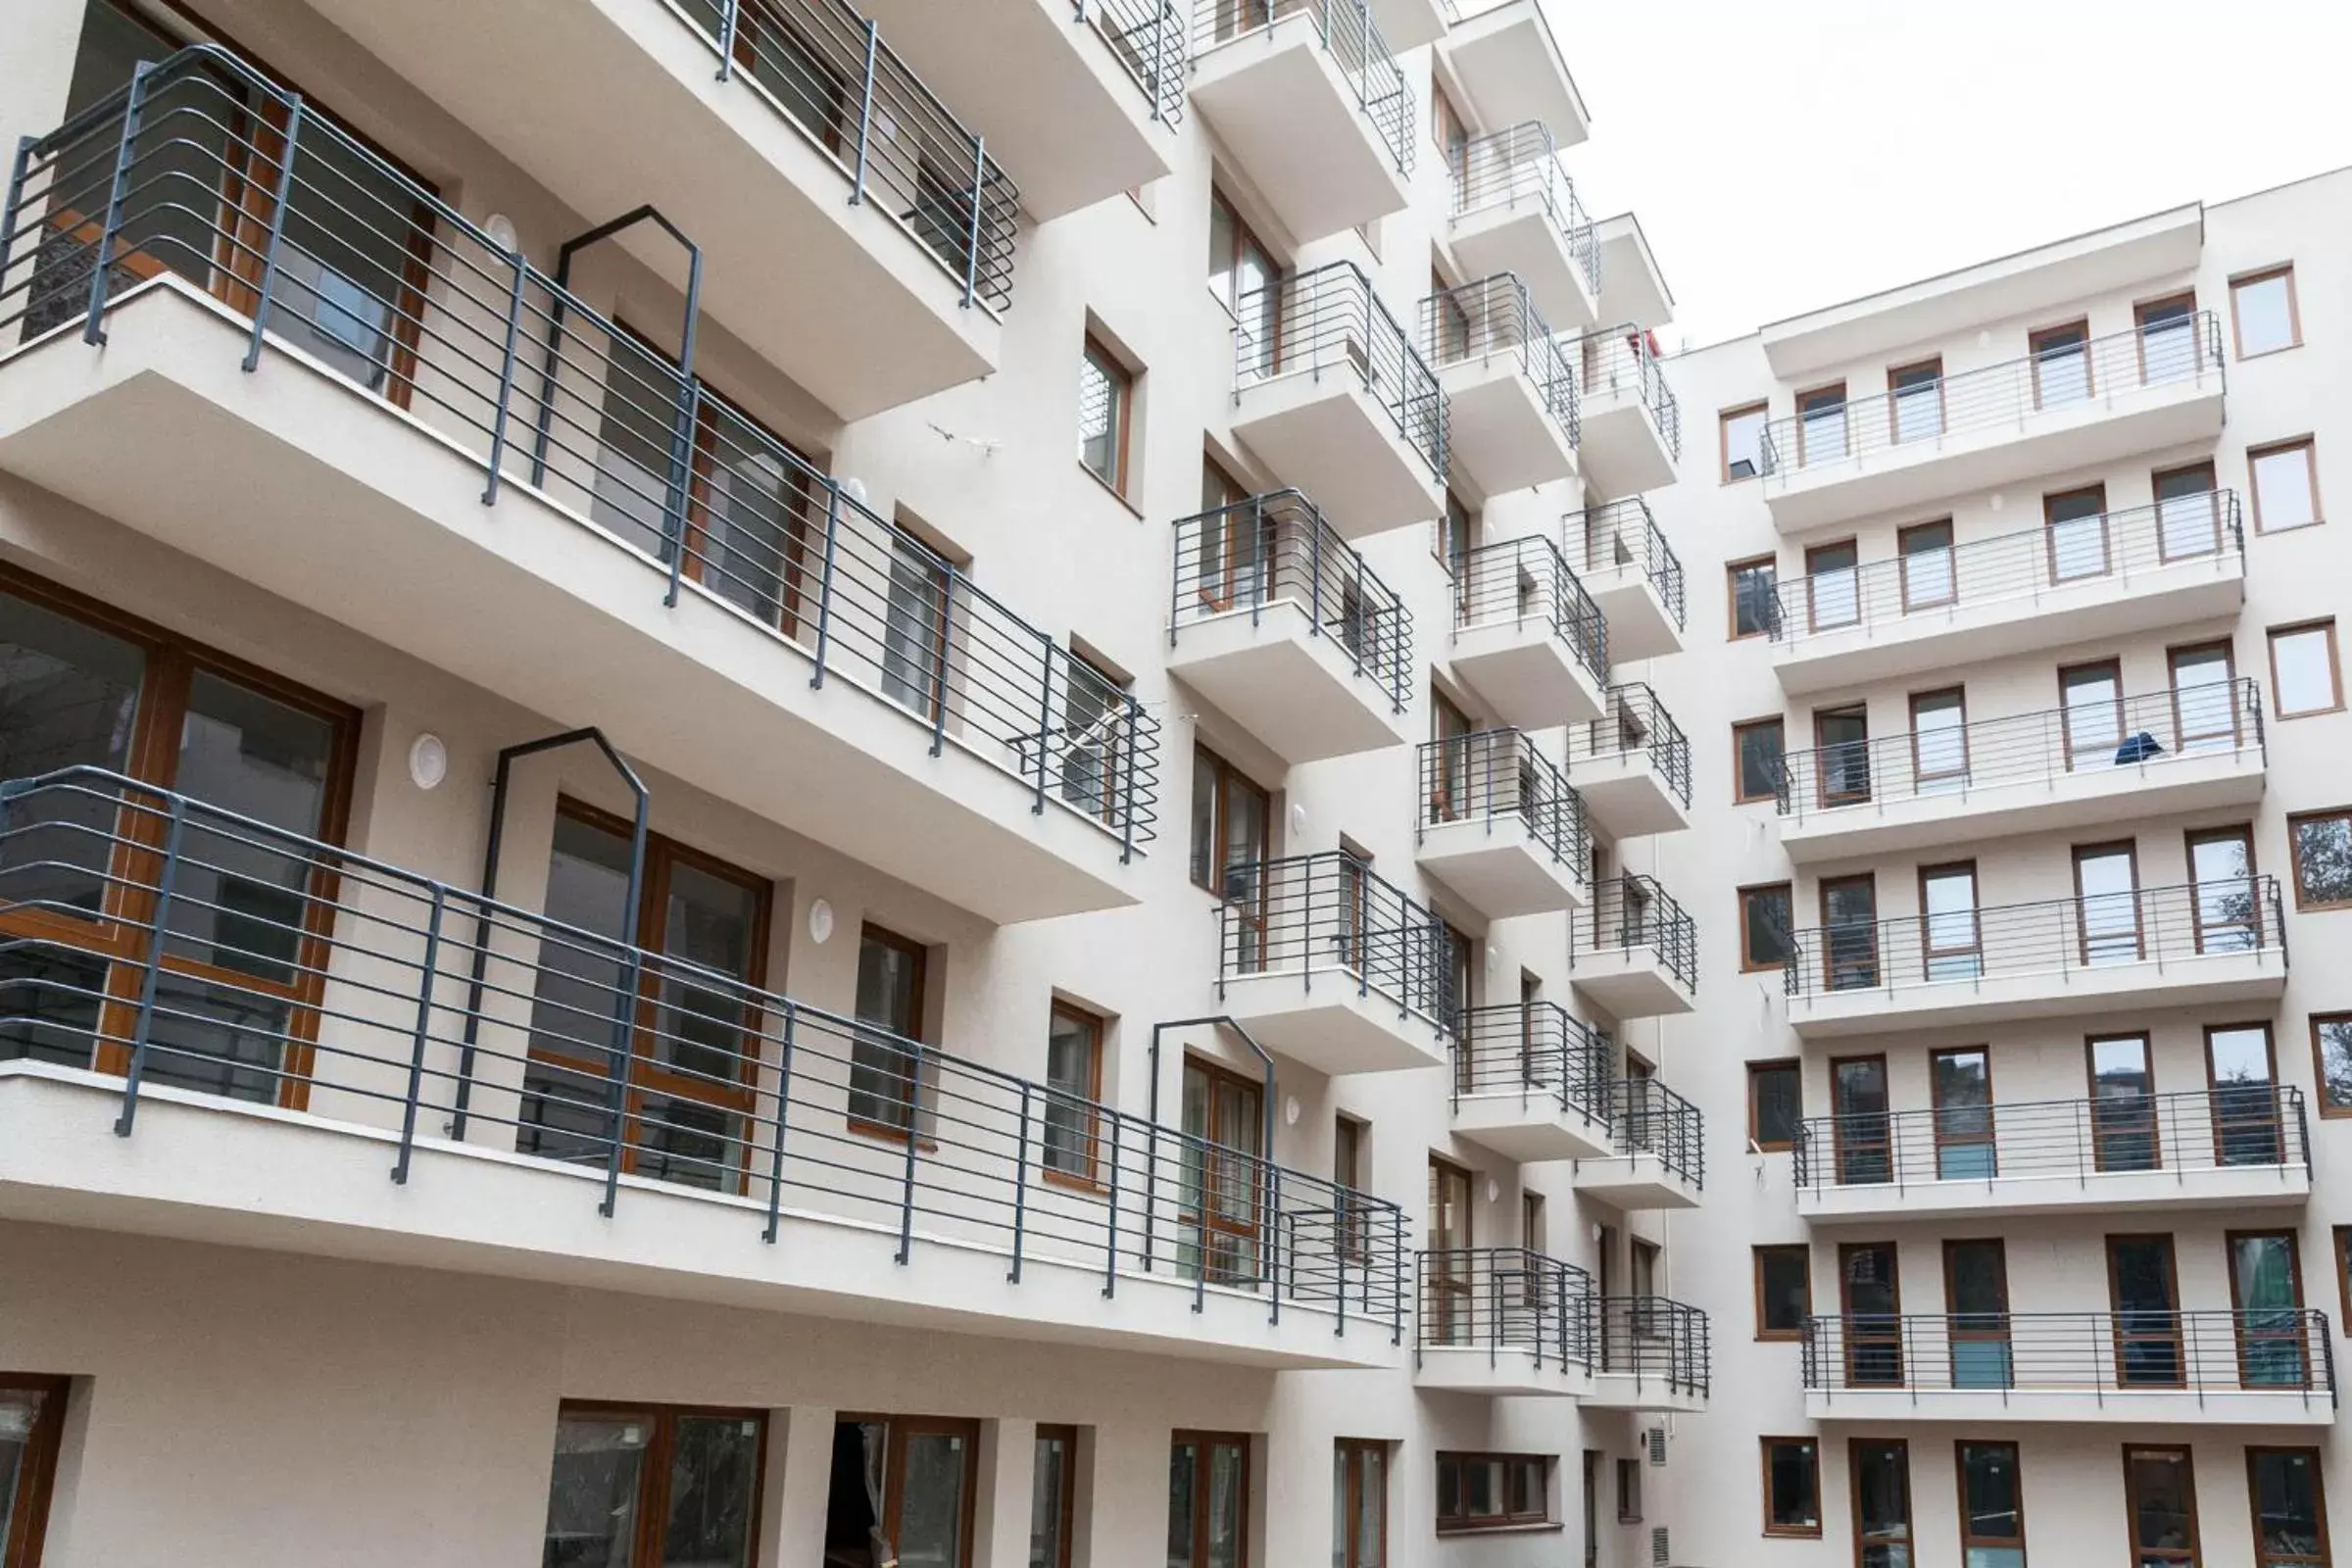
[(1330, 318), (1494, 318), (1623, 533), (1653, 1339), (1499, 776), (1632, 915), (1647, 1117), (1536, 1049), (1151, 39), (1619, 361), (1526, 581), (1331, 917), (2185, 348), (1520, 166), (1497, 1299), (1636, 724), (1353, 39), (2281, 1351)]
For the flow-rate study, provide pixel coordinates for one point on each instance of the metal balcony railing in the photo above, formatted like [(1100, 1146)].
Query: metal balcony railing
[(2057, 937), (1520, 166), (2277, 1351), (2232, 1126), (1645, 1117), (1526, 581), (1536, 1049), (2178, 350), (171, 943), (1618, 362), (1330, 320), (1654, 1341), (1494, 318), (1275, 552), (2143, 733), (1636, 724), (1631, 916), (1622, 533), (1498, 778), (1497, 1299), (1331, 918), (1349, 35), (1148, 38), (1932, 579), (333, 253)]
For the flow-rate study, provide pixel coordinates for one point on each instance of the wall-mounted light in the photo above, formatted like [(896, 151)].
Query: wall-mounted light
[(820, 923), (500, 229), (429, 762), (1493, 1188), (1289, 1110)]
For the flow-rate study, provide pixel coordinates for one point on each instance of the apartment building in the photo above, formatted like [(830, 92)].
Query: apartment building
[(790, 782), (2018, 853)]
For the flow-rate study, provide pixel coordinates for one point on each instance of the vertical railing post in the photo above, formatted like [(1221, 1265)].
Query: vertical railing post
[(102, 269), (1020, 1186), (728, 12), (1397, 1275), (775, 1154), (505, 378), (1044, 720), (971, 260), (914, 1139), (945, 661), (277, 234), (1110, 1240), (865, 111), (678, 497), (19, 167), (144, 1026), (1132, 729), (428, 970), (616, 1090), (825, 586)]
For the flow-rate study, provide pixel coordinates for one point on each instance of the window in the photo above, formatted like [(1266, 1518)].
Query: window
[(1053, 1497), (2108, 912), (1915, 395), (1841, 749), (2204, 697), (1791, 1486), (2343, 1269), (1938, 740), (1776, 1107), (1493, 1490), (1821, 424), (2323, 846), (1360, 1504), (1347, 1174), (1244, 276), (2061, 365), (1105, 405), (2160, 1500), (1925, 551), (2122, 1108), (2076, 522), (2331, 1061), (1975, 1305), (1756, 760), (2287, 485), (1992, 1505), (1446, 129), (1870, 1300), (2266, 1300), (1209, 1500), (1784, 1291), (1755, 608), (1224, 1115), (653, 1487), (1743, 432), (1230, 818), (902, 1490), (32, 1417), (1074, 1084), (1849, 918), (1950, 934), (2146, 1290), (1879, 1472), (1860, 1126), (2290, 1507), (1832, 586), (1766, 924), (2263, 312), (1960, 1090), (2168, 338), (2092, 697), (2189, 513), (1629, 1491), (2304, 677)]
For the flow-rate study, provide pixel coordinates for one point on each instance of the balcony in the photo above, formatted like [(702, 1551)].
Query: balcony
[(601, 539), (1632, 765), (1633, 434), (1510, 66), (1940, 607), (2168, 948), (263, 1028), (1632, 288), (1323, 961), (1080, 97), (2236, 1145), (764, 128), (1330, 393), (2078, 406), (1531, 1083), (1509, 395), (1498, 825), (1503, 1320), (1657, 1156), (1515, 211), (1278, 621), (1307, 98), (2273, 1367), (1622, 557), (1526, 636), (1634, 953), (1649, 1353)]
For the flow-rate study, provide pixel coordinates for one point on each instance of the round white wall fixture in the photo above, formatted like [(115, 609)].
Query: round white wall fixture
[(853, 488), (1298, 818), (500, 229), (1289, 1110), (820, 923), (429, 762), (1493, 1188)]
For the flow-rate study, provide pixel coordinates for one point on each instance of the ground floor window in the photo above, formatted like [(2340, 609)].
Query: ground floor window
[(32, 1415), (1493, 1490), (1360, 1504), (902, 1492), (1209, 1500), (1053, 1497), (653, 1487), (2290, 1507)]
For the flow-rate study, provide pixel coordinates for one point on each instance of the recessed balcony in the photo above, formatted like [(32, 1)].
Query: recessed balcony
[(1307, 100), (1622, 557), (2267, 1367), (1634, 951), (2076, 403), (1936, 605), (762, 129), (1323, 961), (1499, 826), (1515, 211), (1527, 638), (1511, 396), (1632, 435), (1531, 1082), (1331, 394), (1657, 1156), (2158, 754), (1503, 1320), (1632, 765), (611, 542), (1650, 1352), (1278, 621), (368, 1063), (2236, 1145), (1508, 62), (2170, 947)]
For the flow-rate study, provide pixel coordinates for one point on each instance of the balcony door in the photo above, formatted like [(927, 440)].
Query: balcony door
[(1960, 1083), (2204, 698), (1871, 1301), (2168, 339), (1224, 1126), (2090, 698), (2078, 545), (2107, 904), (1236, 550), (1842, 743), (1931, 571), (2123, 1136), (2062, 373), (1951, 935), (1850, 932), (2243, 1072), (1209, 1500), (2222, 890), (2266, 1291), (1451, 791), (1833, 585), (2189, 513), (1975, 1304), (1447, 1307), (2146, 1292), (1939, 741), (1860, 1120)]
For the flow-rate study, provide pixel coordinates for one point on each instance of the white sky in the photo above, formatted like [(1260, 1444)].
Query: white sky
[(1785, 155)]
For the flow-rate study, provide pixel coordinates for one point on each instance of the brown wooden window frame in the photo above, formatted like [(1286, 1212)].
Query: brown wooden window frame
[(1791, 1065), (2294, 842), (1724, 420), (1748, 963), (27, 1523), (1949, 550), (2319, 1498), (2294, 310), (920, 952), (1347, 1454), (2309, 446), (2037, 346), (1228, 780), (1106, 363), (1516, 1469), (1765, 1446), (1088, 1103), (1732, 570), (1739, 733), (2335, 668), (2319, 1064), (1900, 1448), (897, 1429), (1895, 391), (1783, 1252), (1066, 1526), (1969, 1540), (1205, 1446), (654, 1475), (2193, 1554), (1629, 1491)]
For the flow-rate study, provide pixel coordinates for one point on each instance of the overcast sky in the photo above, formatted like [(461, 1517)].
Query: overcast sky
[(1785, 155)]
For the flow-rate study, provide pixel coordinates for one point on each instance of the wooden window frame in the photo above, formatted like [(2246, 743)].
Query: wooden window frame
[(1970, 1541), (1919, 773), (1067, 1526), (2172, 657), (1739, 730), (922, 953), (1510, 1519), (2319, 1066), (2294, 310), (1894, 398), (2194, 1555), (2294, 823), (1227, 780), (1853, 1455), (1765, 1333), (2335, 667), (2192, 841), (2116, 1310), (1765, 1444), (894, 1466), (2153, 1127), (1951, 548), (2112, 668), (1246, 244), (1816, 398), (1347, 1134), (1732, 570), (1813, 621), (2319, 1497), (2037, 342), (2309, 446), (1996, 1333), (1123, 379), (24, 1528), (2142, 309), (1629, 1491), (2129, 848), (2050, 534), (1349, 1452), (2342, 1237), (1745, 895), (1823, 798), (1794, 1064), (1890, 1337), (1724, 420), (654, 1472), (2204, 469), (1095, 1025), (1831, 950), (2241, 1327), (1217, 1223), (1990, 1136), (1928, 952)]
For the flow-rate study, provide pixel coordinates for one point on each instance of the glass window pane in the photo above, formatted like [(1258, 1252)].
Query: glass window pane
[(1101, 415), (1755, 608), (69, 694), (1228, 1503), (2323, 858), (2304, 665), (2331, 1038), (2062, 366), (1785, 1287), (2265, 310), (2287, 1520), (1777, 1105), (2284, 497), (1072, 1046), (1759, 761), (2204, 700), (2161, 1508), (713, 1487), (1794, 1487), (1049, 1500), (1990, 1494), (930, 1532), (1184, 1472), (592, 1496), (1744, 444)]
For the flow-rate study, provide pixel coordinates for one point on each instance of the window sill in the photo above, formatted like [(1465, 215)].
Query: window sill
[(1539, 1528), (1112, 491), (1085, 1185), (2261, 532), (2284, 348), (884, 1134)]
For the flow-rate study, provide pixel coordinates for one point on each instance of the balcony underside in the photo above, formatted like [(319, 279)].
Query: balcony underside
[(1506, 61), (1526, 673), (1923, 472), (1996, 1407), (199, 1171), (1326, 1020), (2063, 1193), (1632, 288), (1635, 1181), (1325, 435), (1624, 454), (1499, 868), (1626, 795), (1626, 1391), (1470, 1369), (1296, 692), (1529, 1127), (1641, 626), (1498, 430), (1522, 239), (1059, 110), (2168, 786), (1409, 23), (611, 104), (1979, 630), (1290, 119), (1629, 984), (298, 482), (2178, 982)]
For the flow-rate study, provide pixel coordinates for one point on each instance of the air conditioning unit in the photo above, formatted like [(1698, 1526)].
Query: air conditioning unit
[(1655, 1439), (1660, 1555)]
